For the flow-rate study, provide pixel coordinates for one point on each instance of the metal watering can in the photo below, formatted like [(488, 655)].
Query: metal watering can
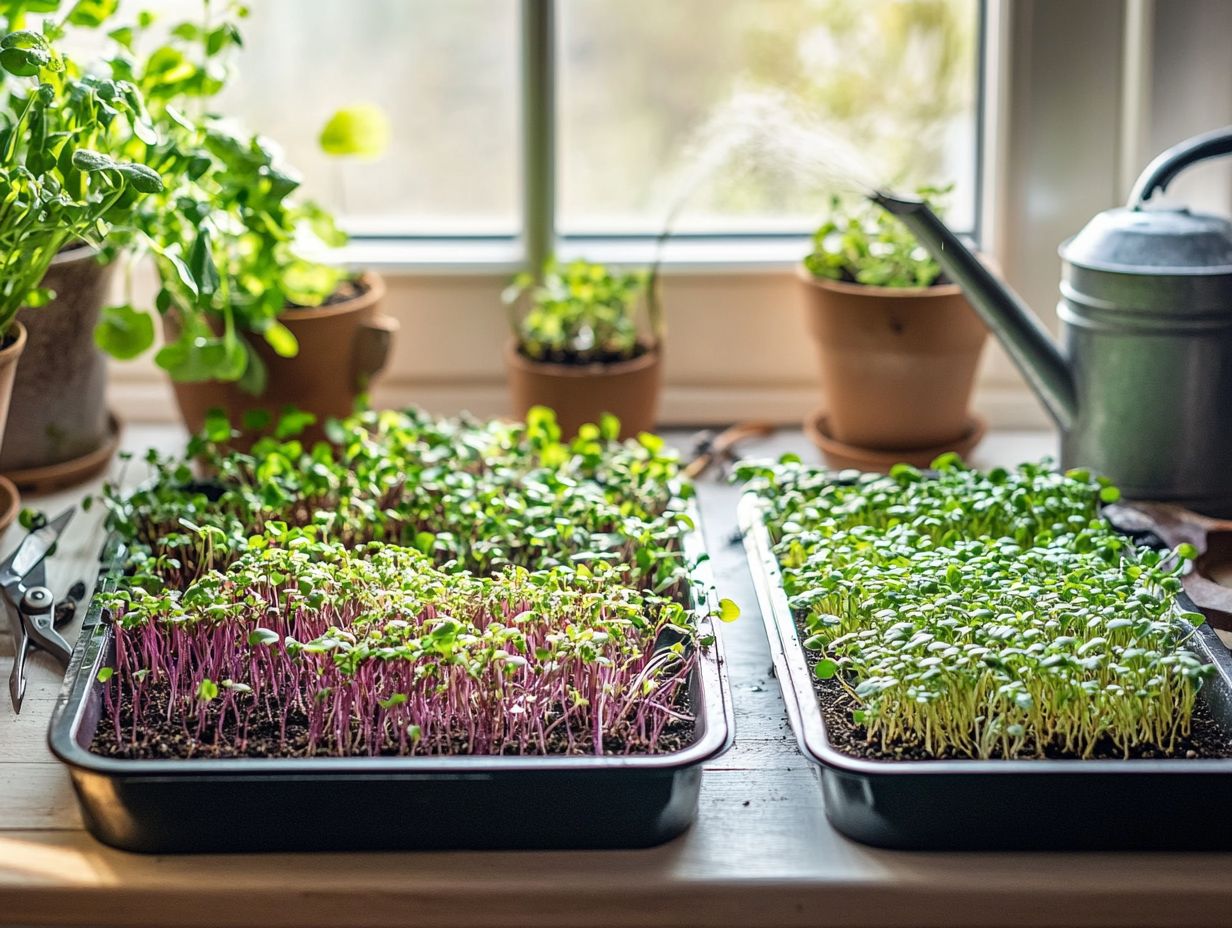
[(1141, 385)]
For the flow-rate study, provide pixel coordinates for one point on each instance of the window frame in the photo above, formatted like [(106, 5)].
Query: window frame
[(537, 204)]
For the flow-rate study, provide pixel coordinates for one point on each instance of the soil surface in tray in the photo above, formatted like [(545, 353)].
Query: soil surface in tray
[(171, 740), (1207, 738)]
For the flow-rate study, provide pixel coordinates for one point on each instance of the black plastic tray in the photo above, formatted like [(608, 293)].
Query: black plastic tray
[(1182, 804), (384, 803)]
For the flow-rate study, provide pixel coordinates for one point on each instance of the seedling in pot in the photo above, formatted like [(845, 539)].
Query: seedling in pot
[(581, 313)]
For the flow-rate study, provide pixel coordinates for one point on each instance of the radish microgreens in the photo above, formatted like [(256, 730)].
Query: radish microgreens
[(984, 615), (372, 650)]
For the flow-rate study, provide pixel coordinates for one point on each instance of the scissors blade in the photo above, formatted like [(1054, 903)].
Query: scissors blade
[(33, 549), (17, 675)]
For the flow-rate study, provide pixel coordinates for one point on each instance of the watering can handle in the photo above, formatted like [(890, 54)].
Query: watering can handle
[(1159, 173)]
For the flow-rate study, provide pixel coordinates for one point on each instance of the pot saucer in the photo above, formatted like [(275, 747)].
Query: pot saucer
[(10, 503), (48, 478), (839, 455)]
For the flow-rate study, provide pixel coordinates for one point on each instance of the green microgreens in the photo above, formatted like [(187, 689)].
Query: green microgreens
[(984, 615), (480, 495)]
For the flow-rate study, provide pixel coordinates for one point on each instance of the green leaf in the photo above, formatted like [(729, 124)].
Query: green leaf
[(86, 160), (24, 62), (361, 131), (124, 332), (728, 611), (825, 668), (201, 265), (207, 690), (104, 674), (263, 637), (92, 13), (281, 339), (142, 178)]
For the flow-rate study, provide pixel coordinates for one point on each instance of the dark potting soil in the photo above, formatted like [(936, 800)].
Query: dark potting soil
[(588, 359), (176, 740), (1207, 737)]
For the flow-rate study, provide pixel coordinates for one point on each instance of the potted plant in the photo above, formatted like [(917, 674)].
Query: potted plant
[(898, 344), (581, 347), (478, 608), (65, 433), (254, 320), (63, 189), (1024, 669)]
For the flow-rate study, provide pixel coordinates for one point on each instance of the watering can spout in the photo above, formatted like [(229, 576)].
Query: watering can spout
[(1016, 327)]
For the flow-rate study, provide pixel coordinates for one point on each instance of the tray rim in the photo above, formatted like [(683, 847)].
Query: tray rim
[(715, 717), (804, 712)]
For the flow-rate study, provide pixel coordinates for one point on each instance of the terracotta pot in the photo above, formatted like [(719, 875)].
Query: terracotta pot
[(60, 388), (897, 365), (341, 348), (11, 349), (579, 393)]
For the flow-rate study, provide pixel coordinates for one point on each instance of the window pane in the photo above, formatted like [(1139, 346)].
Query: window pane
[(444, 73), (645, 84)]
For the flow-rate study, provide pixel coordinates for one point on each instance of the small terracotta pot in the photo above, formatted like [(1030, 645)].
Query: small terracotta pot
[(341, 348), (580, 393), (897, 365), (10, 353), (61, 386)]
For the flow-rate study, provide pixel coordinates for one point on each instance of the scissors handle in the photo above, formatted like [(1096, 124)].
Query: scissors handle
[(36, 610)]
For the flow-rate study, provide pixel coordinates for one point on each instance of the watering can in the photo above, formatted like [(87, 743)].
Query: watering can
[(1141, 383)]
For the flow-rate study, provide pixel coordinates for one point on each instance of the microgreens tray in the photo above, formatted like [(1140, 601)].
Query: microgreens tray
[(406, 680), (993, 801), (340, 803)]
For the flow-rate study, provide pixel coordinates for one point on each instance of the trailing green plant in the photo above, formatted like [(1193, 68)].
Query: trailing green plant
[(63, 179), (305, 647), (859, 242), (479, 495), (581, 313), (984, 615)]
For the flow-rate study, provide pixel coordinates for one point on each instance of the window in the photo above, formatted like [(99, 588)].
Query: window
[(643, 92), (445, 73), (644, 84)]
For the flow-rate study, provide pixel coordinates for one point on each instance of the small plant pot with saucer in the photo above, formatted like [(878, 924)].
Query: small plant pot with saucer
[(64, 433), (582, 350), (898, 346), (11, 348)]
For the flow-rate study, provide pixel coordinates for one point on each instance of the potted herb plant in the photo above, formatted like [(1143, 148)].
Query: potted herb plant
[(65, 432), (898, 344), (254, 320), (582, 348), (64, 183)]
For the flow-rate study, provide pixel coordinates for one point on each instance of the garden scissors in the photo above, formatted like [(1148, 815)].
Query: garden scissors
[(30, 605)]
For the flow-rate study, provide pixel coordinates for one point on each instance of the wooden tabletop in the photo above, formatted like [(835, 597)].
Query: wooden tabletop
[(761, 852)]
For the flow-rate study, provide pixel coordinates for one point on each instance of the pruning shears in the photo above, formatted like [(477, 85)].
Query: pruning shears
[(32, 610)]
